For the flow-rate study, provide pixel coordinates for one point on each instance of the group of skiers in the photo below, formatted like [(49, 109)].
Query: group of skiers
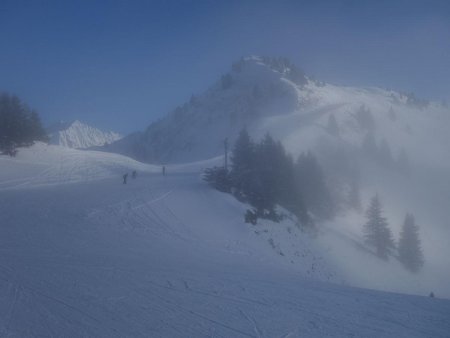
[(125, 176), (134, 174)]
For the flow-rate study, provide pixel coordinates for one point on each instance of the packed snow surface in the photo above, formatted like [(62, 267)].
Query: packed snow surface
[(84, 255)]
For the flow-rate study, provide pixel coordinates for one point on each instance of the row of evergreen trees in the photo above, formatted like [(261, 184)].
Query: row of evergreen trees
[(19, 125), (378, 235), (264, 175)]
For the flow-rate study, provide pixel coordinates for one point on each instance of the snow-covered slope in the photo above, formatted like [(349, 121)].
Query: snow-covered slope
[(79, 135), (168, 256)]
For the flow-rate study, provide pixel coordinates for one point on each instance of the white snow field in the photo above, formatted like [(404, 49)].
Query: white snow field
[(83, 255)]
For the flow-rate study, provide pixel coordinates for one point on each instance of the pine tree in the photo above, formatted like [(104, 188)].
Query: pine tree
[(218, 178), (376, 231), (409, 250), (263, 175), (311, 184), (266, 170), (242, 165), (274, 175)]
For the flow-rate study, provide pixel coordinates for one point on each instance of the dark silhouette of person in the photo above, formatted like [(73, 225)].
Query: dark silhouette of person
[(125, 176), (133, 174), (164, 170), (432, 294)]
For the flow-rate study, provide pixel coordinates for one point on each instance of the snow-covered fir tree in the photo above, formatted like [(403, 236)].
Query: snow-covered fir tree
[(409, 249), (376, 231)]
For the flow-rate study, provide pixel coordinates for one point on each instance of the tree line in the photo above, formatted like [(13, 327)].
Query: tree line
[(19, 125), (264, 175)]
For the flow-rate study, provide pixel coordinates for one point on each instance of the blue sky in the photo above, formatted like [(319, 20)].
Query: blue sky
[(122, 64)]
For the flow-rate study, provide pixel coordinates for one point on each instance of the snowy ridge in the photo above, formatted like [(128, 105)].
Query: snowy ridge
[(263, 95), (80, 135), (42, 165)]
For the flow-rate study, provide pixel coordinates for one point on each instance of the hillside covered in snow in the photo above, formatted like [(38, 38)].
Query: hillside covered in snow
[(83, 254), (80, 135), (273, 95)]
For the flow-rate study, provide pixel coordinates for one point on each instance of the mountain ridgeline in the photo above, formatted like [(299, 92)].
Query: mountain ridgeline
[(273, 95), (80, 135), (255, 88)]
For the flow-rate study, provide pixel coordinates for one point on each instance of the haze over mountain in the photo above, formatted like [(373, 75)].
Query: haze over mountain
[(284, 170), (80, 135), (273, 95)]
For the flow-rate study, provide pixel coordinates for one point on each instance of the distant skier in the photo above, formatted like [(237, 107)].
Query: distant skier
[(134, 174), (125, 176), (164, 170), (432, 294)]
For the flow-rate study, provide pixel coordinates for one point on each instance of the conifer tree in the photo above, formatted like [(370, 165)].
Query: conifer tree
[(376, 231), (263, 175), (409, 250), (310, 182), (266, 171), (242, 165), (218, 178)]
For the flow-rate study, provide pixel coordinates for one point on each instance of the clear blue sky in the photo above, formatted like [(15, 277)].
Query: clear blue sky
[(122, 64)]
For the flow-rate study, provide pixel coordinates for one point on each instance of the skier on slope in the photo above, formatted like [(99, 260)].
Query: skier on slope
[(125, 176), (134, 174)]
